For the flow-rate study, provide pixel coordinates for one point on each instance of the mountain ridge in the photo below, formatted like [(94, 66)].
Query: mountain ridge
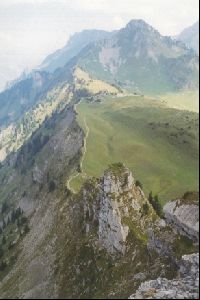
[(138, 58), (190, 36), (106, 239), (76, 42)]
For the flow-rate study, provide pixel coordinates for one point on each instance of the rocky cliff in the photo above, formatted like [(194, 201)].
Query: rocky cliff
[(111, 204), (184, 216), (185, 286), (172, 238)]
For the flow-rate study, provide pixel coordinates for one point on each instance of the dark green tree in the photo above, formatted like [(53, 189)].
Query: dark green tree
[(10, 246), (13, 216), (158, 206), (138, 183), (4, 224), (3, 266), (4, 208), (4, 240), (150, 197), (18, 222), (1, 252), (26, 229), (145, 208), (8, 221)]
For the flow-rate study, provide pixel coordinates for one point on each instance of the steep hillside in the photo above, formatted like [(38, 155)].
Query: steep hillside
[(62, 89), (92, 245), (31, 178), (17, 133), (184, 287), (138, 58), (190, 36), (75, 222), (15, 101)]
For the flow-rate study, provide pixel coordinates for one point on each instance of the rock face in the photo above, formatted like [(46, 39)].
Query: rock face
[(184, 217), (186, 286), (37, 175), (109, 203), (112, 233), (161, 242)]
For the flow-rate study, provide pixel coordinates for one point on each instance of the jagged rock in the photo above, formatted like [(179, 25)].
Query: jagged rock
[(185, 286), (184, 217), (167, 242), (108, 202), (161, 242), (37, 175)]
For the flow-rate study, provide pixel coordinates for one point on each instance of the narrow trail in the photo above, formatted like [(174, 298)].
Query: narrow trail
[(87, 131)]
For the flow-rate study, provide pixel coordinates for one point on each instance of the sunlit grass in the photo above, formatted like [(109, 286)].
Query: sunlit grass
[(119, 130)]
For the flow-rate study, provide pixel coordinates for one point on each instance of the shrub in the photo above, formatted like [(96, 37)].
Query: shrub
[(138, 183), (26, 229), (145, 208), (4, 224), (154, 201), (3, 266), (4, 207), (1, 252), (4, 240), (10, 246)]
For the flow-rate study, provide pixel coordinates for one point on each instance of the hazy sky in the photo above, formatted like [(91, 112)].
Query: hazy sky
[(31, 29)]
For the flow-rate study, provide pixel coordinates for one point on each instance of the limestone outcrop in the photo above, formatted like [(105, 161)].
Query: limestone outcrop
[(109, 204), (37, 175), (185, 286), (184, 217)]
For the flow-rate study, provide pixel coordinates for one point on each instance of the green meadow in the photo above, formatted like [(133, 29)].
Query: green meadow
[(185, 100), (158, 143)]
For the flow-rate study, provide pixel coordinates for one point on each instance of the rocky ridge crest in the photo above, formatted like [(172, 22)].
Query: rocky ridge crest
[(110, 203)]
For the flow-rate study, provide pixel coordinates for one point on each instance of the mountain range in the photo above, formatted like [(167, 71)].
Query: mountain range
[(79, 40), (99, 171), (136, 58)]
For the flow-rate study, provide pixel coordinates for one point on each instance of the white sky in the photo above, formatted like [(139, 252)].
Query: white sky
[(31, 29)]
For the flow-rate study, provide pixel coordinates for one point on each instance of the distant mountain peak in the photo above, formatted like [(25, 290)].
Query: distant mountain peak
[(190, 36), (136, 24), (140, 28)]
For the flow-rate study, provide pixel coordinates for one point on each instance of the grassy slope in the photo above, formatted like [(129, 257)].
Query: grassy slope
[(94, 86), (187, 100), (163, 158)]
